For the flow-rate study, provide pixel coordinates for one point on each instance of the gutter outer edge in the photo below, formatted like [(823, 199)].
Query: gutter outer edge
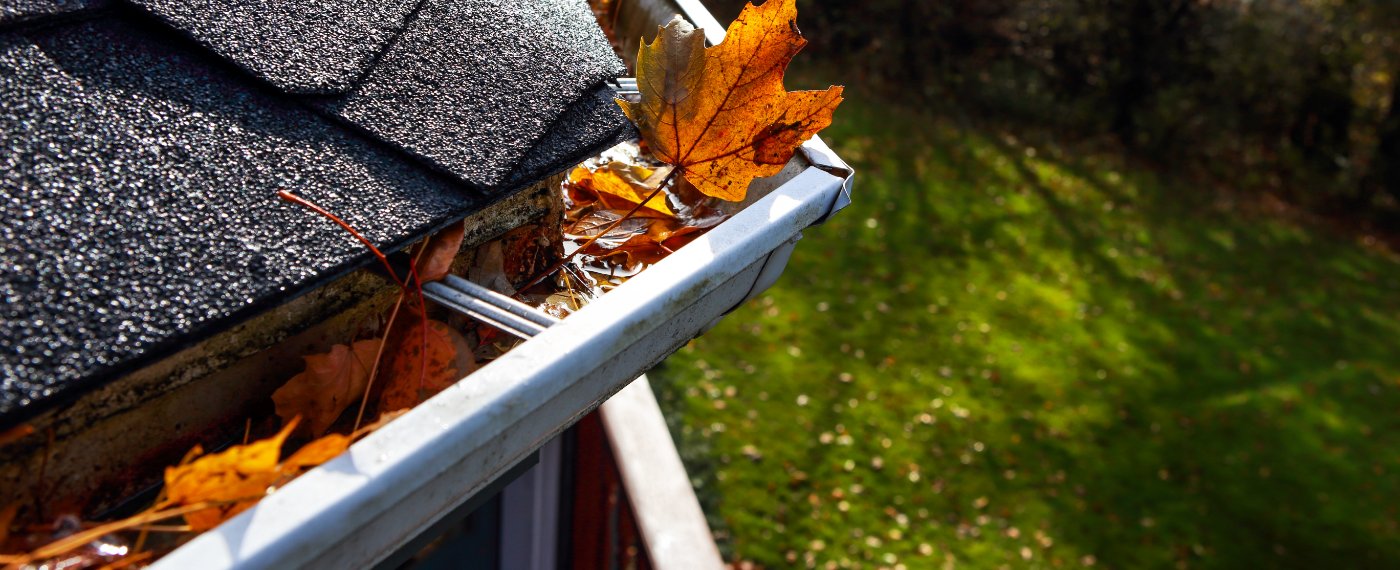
[(398, 481)]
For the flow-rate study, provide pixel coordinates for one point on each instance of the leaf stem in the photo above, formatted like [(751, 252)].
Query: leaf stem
[(422, 316), (293, 198), (403, 286), (378, 356)]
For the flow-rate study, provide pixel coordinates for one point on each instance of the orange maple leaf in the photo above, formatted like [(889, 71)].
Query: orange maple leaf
[(721, 115), (330, 383), (426, 361)]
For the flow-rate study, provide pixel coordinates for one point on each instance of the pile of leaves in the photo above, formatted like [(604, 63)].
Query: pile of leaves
[(711, 119), (621, 218)]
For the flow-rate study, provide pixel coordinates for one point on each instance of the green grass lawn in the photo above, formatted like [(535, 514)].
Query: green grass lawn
[(1003, 355)]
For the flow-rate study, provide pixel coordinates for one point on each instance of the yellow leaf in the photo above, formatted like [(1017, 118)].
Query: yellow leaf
[(314, 453), (236, 478), (621, 180), (721, 115)]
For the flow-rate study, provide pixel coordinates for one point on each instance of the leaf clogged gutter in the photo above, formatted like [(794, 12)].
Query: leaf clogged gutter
[(712, 120)]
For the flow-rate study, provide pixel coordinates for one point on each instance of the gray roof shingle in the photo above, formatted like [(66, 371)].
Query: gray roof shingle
[(471, 84), (300, 46), (138, 172), (17, 11), (587, 124)]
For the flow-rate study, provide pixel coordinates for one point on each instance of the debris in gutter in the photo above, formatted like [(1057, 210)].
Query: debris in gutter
[(623, 211)]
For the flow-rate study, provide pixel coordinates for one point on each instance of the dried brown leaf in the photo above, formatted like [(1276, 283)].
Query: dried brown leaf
[(599, 220), (330, 383), (441, 251), (424, 363)]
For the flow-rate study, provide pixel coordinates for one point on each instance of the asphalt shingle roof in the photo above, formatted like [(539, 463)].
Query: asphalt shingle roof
[(471, 84), (17, 11), (300, 46), (139, 164), (587, 124)]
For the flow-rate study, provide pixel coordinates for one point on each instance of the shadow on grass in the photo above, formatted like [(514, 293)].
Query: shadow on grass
[(1003, 354), (1271, 432)]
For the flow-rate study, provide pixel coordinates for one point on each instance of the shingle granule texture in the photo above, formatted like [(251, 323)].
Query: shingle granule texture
[(142, 145), (300, 46), (16, 11), (470, 85), (592, 124), (137, 182)]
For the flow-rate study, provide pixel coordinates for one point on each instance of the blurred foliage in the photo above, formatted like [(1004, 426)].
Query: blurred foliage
[(1260, 93), (1013, 352)]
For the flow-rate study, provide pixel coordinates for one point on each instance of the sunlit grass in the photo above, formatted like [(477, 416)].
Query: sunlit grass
[(1008, 355)]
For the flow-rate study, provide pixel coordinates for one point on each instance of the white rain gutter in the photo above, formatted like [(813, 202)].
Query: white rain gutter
[(395, 484)]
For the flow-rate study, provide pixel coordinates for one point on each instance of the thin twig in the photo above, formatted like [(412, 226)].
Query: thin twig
[(403, 286), (422, 314), (141, 537), (378, 356), (40, 489), (78, 539), (167, 528), (389, 326), (569, 287)]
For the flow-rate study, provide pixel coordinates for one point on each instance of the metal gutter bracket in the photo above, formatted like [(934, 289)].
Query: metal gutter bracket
[(822, 157), (624, 86), (487, 306)]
